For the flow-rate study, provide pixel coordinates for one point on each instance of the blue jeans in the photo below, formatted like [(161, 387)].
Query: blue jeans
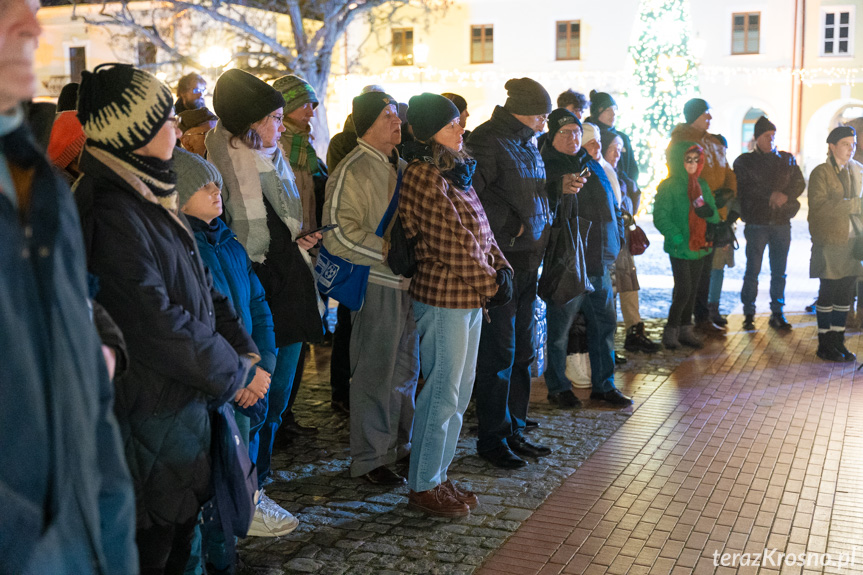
[(598, 309), (778, 239), (506, 351), (277, 398), (559, 320), (449, 342)]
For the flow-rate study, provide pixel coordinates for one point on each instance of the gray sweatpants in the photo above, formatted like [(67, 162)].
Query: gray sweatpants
[(384, 366)]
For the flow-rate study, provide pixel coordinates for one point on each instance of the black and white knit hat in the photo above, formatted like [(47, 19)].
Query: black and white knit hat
[(122, 108)]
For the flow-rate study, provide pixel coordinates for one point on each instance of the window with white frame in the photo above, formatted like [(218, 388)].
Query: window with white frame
[(837, 31)]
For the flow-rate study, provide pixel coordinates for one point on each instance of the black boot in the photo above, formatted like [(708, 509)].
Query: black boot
[(778, 321), (839, 344), (637, 340), (749, 322), (826, 350), (715, 316)]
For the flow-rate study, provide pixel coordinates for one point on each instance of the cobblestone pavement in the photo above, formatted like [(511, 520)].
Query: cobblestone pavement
[(350, 527)]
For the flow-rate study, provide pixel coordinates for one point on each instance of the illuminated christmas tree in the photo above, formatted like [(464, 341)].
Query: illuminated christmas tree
[(663, 79)]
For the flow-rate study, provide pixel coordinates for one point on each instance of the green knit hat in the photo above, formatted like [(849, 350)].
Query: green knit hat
[(296, 92), (429, 113), (193, 173)]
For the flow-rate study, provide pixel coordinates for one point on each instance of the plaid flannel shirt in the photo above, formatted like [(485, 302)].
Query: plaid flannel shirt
[(457, 257)]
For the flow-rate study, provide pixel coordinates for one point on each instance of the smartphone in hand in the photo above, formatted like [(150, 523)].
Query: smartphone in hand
[(322, 229)]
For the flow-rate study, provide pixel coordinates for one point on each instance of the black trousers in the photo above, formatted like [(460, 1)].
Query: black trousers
[(702, 293), (165, 549), (687, 276), (340, 357)]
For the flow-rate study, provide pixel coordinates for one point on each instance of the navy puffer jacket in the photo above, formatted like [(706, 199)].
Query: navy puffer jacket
[(510, 183), (188, 352)]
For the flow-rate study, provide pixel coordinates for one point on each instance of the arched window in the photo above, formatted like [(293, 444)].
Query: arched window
[(748, 133)]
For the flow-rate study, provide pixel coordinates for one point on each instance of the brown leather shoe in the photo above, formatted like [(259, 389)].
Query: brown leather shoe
[(467, 497), (439, 502)]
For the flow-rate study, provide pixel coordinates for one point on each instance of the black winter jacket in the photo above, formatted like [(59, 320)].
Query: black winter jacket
[(510, 183), (596, 202), (187, 349), (758, 176)]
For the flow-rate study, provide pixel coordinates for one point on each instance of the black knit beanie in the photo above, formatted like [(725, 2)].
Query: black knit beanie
[(240, 100), (694, 108), (839, 133), (763, 125), (599, 101), (459, 101), (429, 113), (122, 108), (367, 107), (68, 99), (526, 97), (558, 119)]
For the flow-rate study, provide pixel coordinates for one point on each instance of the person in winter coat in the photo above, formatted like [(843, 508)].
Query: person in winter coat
[(768, 185), (835, 189), (190, 93), (563, 160), (510, 183), (720, 178), (340, 357), (65, 489), (597, 203), (625, 273), (681, 211), (603, 114), (188, 351), (311, 178), (384, 343), (460, 271), (199, 195), (263, 207)]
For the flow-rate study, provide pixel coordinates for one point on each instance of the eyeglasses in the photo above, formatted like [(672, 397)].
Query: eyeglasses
[(690, 160), (174, 120), (278, 118)]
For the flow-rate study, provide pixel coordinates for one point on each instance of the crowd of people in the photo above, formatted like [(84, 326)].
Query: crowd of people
[(182, 266)]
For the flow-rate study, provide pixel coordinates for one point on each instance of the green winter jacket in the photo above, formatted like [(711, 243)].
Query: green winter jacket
[(671, 206)]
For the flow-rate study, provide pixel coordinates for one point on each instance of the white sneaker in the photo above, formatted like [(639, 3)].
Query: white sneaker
[(578, 370), (271, 520)]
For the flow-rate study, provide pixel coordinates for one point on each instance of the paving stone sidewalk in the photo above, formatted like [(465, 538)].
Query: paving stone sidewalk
[(350, 527)]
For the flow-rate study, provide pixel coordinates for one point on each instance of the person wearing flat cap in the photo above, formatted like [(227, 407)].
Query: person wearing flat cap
[(384, 345), (510, 183), (263, 207), (835, 189), (768, 184), (194, 125), (460, 271), (719, 175), (189, 352)]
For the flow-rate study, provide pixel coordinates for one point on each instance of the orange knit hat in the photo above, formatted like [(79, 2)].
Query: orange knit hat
[(67, 139)]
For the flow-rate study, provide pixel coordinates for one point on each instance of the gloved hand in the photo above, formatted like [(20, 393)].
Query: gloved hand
[(504, 288), (704, 211)]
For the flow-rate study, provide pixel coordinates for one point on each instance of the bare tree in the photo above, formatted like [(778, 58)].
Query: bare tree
[(179, 29)]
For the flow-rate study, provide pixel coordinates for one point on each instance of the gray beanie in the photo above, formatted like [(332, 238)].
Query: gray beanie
[(193, 173)]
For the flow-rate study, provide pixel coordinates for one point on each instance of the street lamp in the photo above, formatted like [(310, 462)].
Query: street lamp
[(421, 58)]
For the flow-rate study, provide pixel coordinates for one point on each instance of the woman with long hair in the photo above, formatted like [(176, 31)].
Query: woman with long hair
[(460, 271)]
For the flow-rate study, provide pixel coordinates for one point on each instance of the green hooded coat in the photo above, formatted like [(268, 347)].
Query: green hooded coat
[(671, 206)]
